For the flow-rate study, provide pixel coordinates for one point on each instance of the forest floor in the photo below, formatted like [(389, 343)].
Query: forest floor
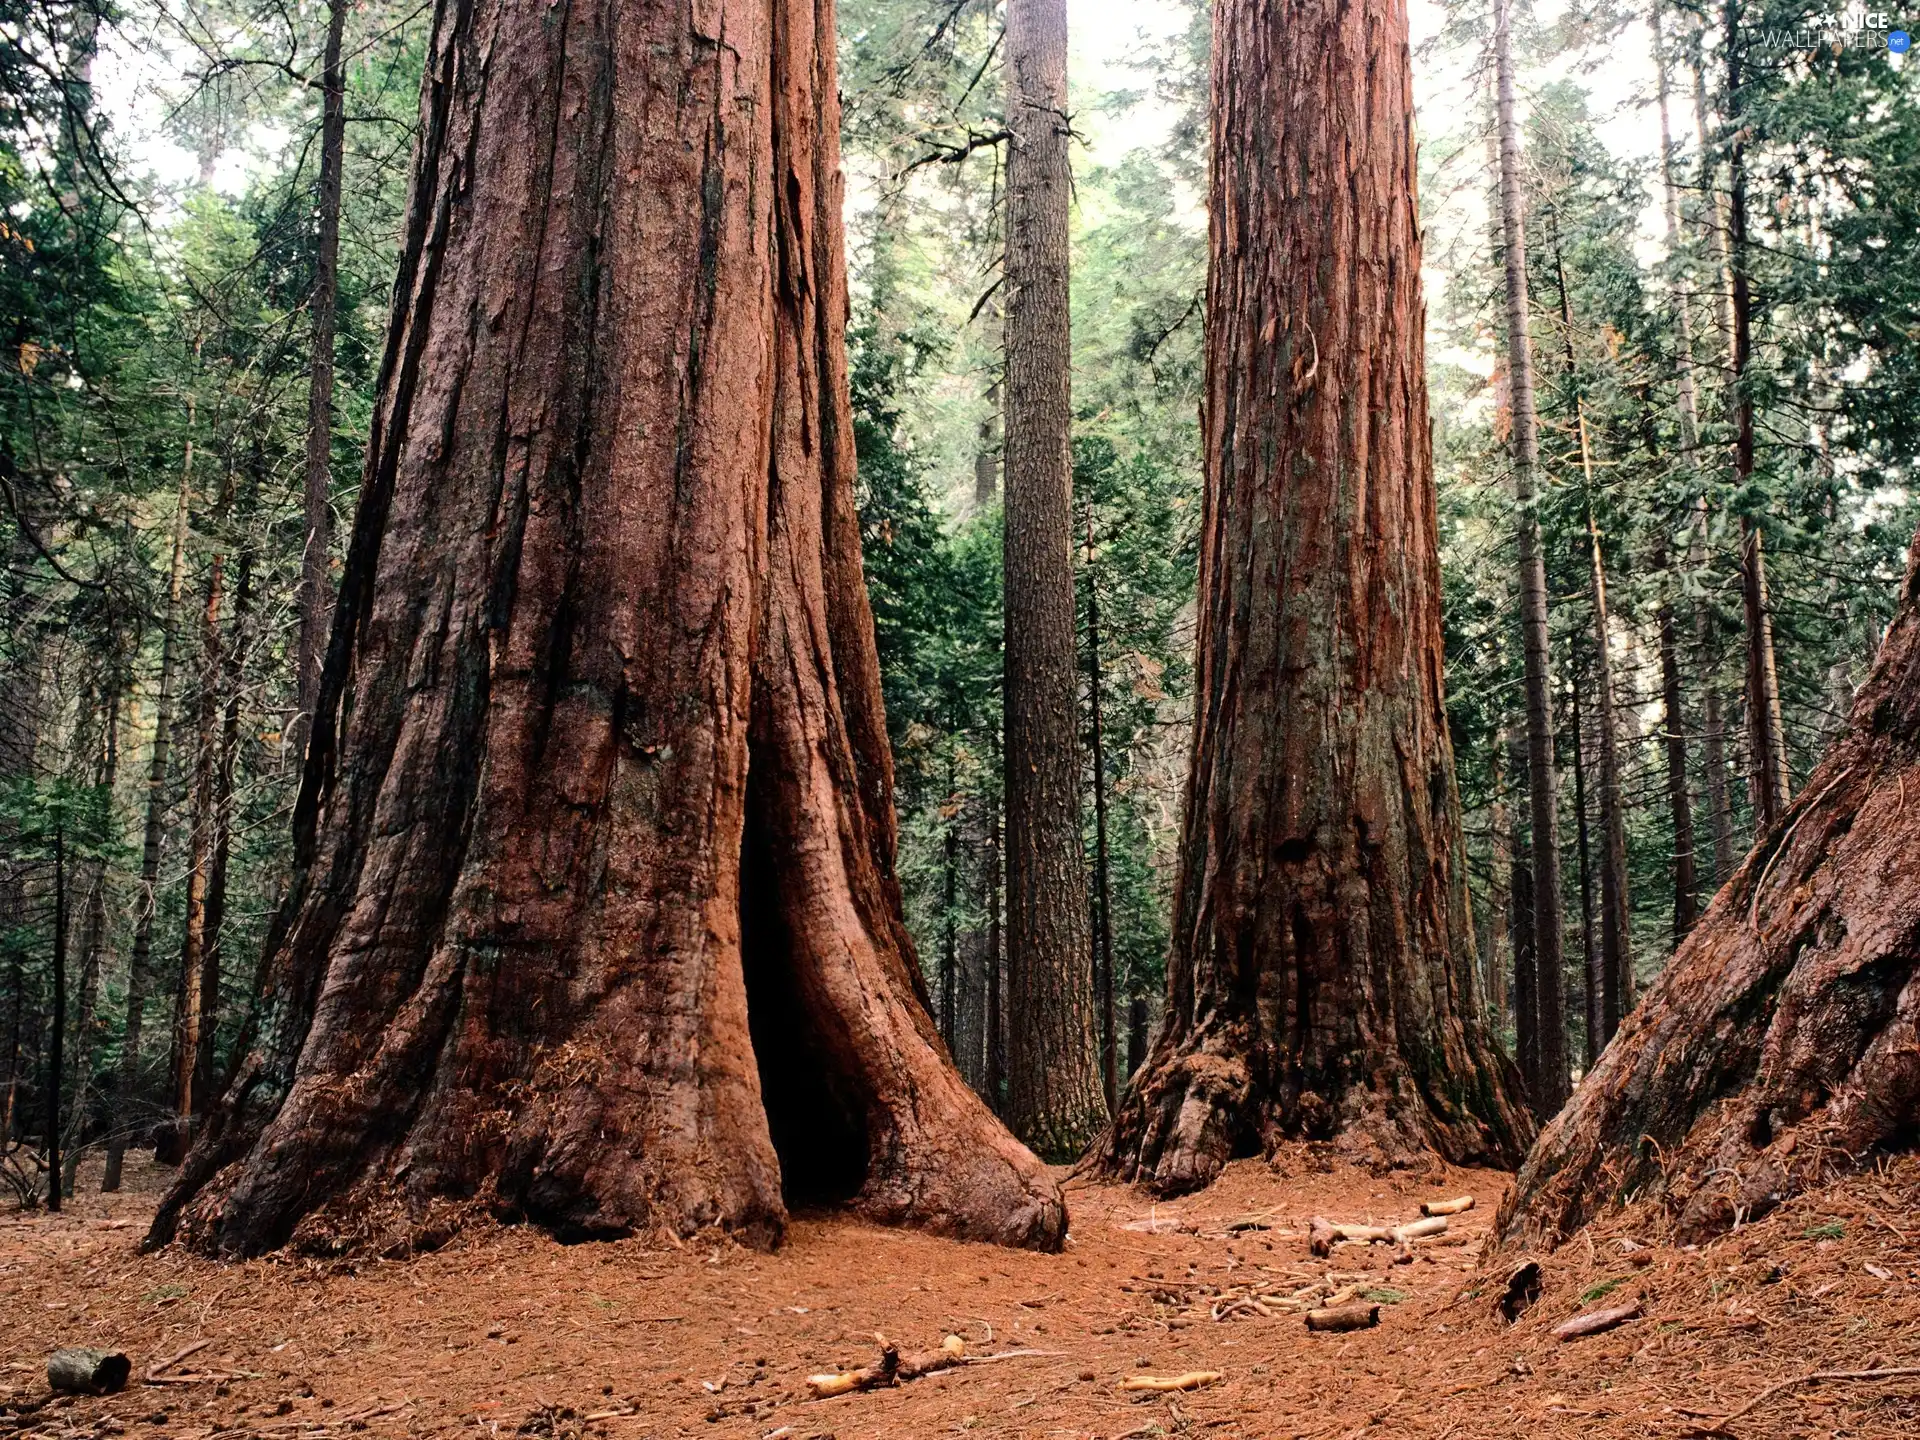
[(506, 1332)]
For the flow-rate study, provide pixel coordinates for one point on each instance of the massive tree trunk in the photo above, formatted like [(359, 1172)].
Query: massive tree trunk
[(317, 552), (1778, 1042), (1053, 1084), (1322, 980), (1547, 1085), (593, 919)]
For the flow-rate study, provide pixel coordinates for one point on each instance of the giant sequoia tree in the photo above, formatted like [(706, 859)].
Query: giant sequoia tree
[(1780, 1040), (1322, 976), (594, 919)]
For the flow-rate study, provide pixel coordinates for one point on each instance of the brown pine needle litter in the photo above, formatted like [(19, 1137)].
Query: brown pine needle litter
[(1804, 1325)]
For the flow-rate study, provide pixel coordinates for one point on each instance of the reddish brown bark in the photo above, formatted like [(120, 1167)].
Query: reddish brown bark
[(594, 919), (1322, 976), (1779, 1041)]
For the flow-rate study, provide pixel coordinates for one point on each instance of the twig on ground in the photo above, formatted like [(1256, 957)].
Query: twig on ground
[(1811, 1377)]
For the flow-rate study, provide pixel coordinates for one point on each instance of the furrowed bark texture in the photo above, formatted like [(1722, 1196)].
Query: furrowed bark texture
[(1054, 1100), (1322, 980), (594, 920), (1779, 1042)]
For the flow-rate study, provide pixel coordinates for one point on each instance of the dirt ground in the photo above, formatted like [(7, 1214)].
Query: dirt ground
[(506, 1332)]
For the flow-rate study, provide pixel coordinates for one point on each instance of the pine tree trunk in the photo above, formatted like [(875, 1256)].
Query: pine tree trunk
[(123, 1122), (1686, 870), (1547, 1088), (1616, 939), (56, 1045), (1499, 886), (93, 934), (949, 908), (1526, 968), (1103, 978), (1616, 948), (1322, 978), (996, 1057), (593, 919), (1778, 1042), (986, 450), (195, 1007), (1766, 741), (1053, 1083), (1593, 974), (1713, 729), (216, 917), (315, 599), (1673, 724)]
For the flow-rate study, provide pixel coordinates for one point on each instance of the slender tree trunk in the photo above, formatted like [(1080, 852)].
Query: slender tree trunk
[(1768, 777), (1321, 979), (127, 1100), (1778, 1042), (1053, 1083), (1713, 729), (315, 600), (996, 969), (1686, 876), (986, 450), (1616, 946), (1549, 1089), (212, 966), (949, 904), (1673, 723), (56, 1045), (1526, 969), (93, 934), (1592, 971), (593, 918), (193, 1012), (1103, 978), (1137, 1037), (1499, 886)]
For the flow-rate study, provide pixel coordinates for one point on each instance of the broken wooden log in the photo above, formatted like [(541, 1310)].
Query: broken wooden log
[(1456, 1206), (1336, 1318), (1167, 1384), (890, 1369), (1324, 1234), (88, 1372), (1595, 1322)]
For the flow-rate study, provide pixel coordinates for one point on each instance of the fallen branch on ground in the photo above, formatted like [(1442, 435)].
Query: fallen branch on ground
[(160, 1367), (1812, 1377), (1596, 1322), (1447, 1207), (1167, 1384), (1324, 1234), (890, 1369)]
